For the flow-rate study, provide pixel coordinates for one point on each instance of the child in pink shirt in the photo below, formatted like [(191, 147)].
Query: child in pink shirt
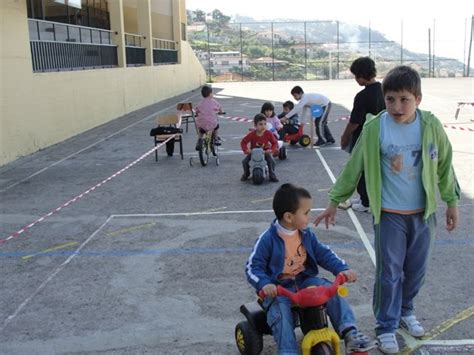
[(269, 111), (206, 115)]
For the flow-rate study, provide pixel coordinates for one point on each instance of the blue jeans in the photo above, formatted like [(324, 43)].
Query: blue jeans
[(402, 248), (280, 316)]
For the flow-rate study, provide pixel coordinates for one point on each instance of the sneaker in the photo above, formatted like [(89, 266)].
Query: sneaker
[(388, 343), (319, 143), (199, 144), (355, 200), (412, 326), (360, 207), (356, 341), (244, 177), (329, 142), (273, 178)]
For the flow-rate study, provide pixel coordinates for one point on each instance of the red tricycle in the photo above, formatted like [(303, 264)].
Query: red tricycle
[(299, 137), (310, 315)]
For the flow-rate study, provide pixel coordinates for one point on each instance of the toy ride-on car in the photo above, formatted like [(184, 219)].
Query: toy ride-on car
[(310, 315), (258, 166), (299, 137)]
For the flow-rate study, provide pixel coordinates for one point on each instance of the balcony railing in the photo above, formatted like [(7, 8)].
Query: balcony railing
[(58, 47), (134, 50), (164, 51)]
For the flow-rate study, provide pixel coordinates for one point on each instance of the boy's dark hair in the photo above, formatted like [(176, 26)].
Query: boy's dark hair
[(259, 117), (287, 199), (297, 90), (268, 106), (402, 78), (288, 104), (206, 91), (364, 67)]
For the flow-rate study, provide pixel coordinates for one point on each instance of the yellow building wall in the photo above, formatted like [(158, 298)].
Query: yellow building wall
[(162, 26), (41, 109), (130, 19)]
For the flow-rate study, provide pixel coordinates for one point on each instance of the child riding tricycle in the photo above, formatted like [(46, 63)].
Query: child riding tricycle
[(283, 267)]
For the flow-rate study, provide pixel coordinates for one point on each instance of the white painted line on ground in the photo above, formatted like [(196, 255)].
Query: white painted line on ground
[(459, 342), (51, 276), (11, 317), (91, 145), (351, 213), (25, 228), (196, 213)]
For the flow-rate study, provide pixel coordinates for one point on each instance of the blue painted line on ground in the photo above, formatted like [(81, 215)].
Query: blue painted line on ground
[(183, 251)]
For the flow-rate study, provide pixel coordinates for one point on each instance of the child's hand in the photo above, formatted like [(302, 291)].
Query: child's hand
[(270, 290), (350, 275), (329, 216), (284, 120), (452, 218)]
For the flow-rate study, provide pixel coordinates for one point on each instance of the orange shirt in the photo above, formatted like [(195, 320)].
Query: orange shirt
[(295, 255)]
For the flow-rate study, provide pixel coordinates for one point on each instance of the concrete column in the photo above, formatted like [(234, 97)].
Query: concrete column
[(118, 30), (177, 25), (145, 29)]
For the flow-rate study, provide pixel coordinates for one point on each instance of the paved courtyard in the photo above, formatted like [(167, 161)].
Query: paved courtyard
[(150, 259)]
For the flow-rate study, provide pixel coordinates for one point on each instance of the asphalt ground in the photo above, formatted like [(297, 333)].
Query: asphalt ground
[(152, 260)]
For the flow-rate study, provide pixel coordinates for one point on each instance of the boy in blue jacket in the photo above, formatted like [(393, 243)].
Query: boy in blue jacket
[(288, 254)]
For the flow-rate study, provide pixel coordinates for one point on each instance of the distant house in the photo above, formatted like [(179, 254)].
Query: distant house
[(223, 62), (269, 61)]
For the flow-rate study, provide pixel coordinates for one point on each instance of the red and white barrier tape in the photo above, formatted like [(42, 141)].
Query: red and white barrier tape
[(78, 197), (248, 120), (459, 128)]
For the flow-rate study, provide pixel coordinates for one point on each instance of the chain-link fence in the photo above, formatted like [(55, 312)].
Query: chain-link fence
[(321, 50)]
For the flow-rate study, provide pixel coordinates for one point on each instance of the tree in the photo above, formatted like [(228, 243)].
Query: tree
[(199, 16), (219, 17)]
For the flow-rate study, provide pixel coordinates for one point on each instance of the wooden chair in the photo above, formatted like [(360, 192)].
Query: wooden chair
[(169, 120), (187, 113)]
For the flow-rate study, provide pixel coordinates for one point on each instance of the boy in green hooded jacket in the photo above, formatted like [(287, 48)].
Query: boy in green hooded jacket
[(404, 154)]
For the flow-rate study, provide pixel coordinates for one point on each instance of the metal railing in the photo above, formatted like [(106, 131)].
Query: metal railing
[(134, 50), (164, 51), (58, 47)]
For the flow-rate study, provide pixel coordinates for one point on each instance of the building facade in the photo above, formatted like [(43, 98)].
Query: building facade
[(70, 65)]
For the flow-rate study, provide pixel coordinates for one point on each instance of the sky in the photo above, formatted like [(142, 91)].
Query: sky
[(450, 23)]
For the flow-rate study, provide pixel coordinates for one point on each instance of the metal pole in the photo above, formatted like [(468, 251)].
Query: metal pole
[(305, 55), (273, 58), (370, 40), (241, 56), (337, 64), (434, 58), (401, 42), (464, 52), (470, 46), (208, 54), (429, 53)]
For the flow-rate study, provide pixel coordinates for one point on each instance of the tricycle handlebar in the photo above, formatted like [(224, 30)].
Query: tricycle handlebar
[(311, 296)]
